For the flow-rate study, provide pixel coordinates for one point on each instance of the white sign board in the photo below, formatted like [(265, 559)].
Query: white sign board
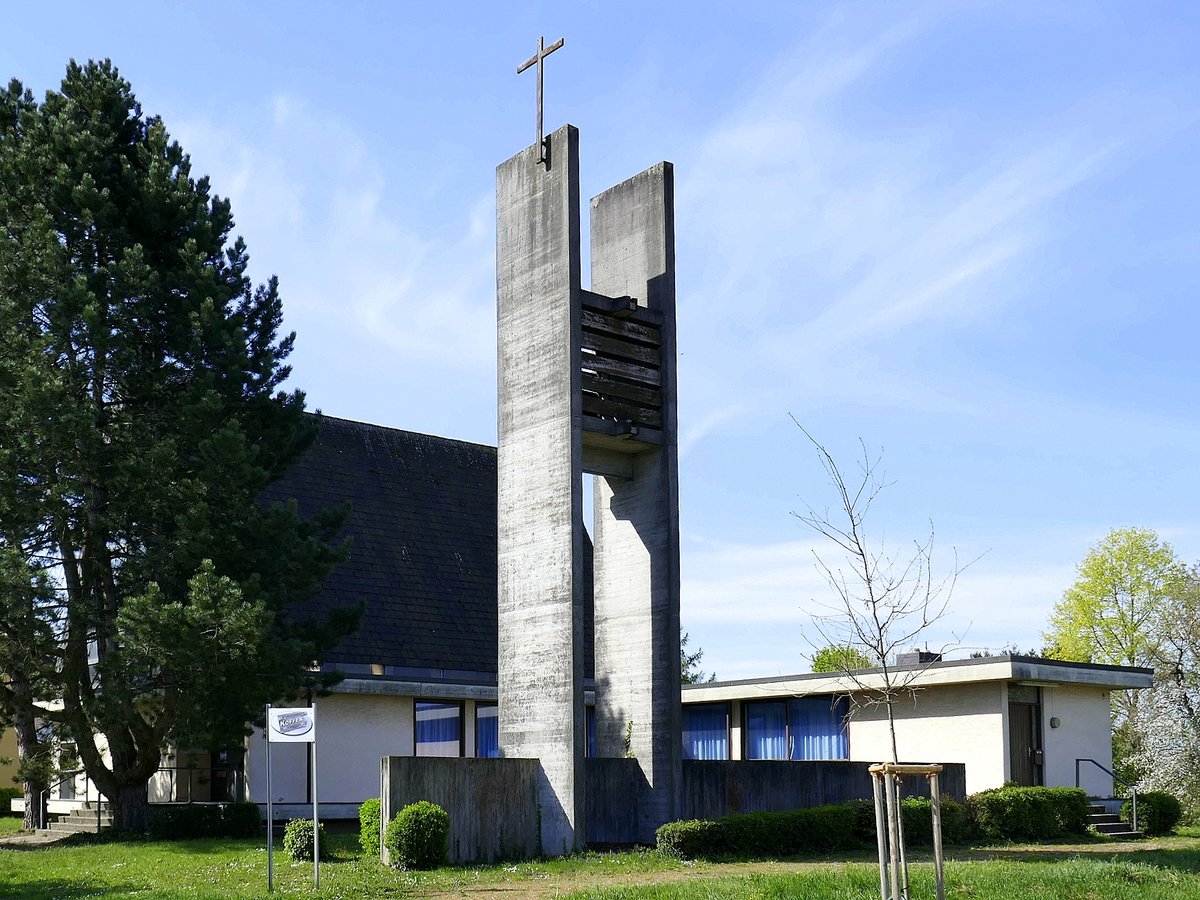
[(292, 726)]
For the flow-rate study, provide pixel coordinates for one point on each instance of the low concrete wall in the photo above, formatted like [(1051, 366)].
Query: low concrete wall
[(492, 802), (713, 788), (612, 788)]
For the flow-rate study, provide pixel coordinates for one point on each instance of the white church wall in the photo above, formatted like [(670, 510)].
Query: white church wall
[(354, 731), (1084, 731), (962, 724)]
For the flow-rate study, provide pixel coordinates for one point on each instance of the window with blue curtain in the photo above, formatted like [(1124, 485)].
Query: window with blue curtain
[(766, 729), (438, 729), (817, 728), (487, 730), (589, 721), (706, 731)]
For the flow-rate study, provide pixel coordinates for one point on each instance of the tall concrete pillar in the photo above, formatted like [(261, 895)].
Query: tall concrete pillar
[(587, 384), (539, 528), (636, 529)]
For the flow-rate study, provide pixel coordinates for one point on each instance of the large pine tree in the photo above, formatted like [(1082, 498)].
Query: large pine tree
[(142, 417)]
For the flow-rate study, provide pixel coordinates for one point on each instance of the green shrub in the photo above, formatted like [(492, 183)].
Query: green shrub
[(177, 823), (769, 834), (298, 839), (917, 816), (7, 796), (417, 838), (369, 832), (1013, 813), (864, 820), (1158, 812)]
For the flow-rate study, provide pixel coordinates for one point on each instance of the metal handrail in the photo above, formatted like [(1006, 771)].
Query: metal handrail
[(44, 797), (1116, 778)]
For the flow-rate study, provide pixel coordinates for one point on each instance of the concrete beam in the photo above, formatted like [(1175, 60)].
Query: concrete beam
[(539, 532), (636, 531)]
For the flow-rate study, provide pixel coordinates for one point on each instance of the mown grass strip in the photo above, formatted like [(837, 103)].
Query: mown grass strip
[(205, 869)]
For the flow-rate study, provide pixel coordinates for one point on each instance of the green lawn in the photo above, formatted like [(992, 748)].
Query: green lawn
[(237, 869), (10, 824)]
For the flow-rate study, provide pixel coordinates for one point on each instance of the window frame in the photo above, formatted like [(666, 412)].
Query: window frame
[(462, 730)]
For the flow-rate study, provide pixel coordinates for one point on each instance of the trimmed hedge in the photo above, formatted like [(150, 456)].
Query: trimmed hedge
[(232, 820), (1029, 813), (7, 796), (1158, 812), (298, 839), (418, 837), (819, 829), (370, 835), (917, 815)]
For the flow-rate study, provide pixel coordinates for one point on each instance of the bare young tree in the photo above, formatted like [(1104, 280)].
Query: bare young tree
[(882, 600)]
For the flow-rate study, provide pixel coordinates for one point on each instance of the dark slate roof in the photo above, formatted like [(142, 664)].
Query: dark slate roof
[(423, 545)]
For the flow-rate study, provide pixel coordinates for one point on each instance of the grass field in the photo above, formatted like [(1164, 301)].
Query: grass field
[(1163, 870), (9, 825)]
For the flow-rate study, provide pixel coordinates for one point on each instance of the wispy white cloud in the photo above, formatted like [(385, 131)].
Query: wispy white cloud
[(817, 240), (695, 430), (313, 200)]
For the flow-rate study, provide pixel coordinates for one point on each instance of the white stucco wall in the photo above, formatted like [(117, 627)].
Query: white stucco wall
[(353, 732), (963, 724), (1084, 732)]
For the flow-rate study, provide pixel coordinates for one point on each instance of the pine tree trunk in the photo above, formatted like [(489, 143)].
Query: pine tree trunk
[(29, 748), (130, 806)]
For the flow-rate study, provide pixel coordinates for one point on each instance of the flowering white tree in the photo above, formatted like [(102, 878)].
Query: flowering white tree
[(1169, 751)]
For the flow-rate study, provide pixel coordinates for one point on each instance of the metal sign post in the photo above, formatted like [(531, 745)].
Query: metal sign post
[(312, 749), (297, 725), (270, 812)]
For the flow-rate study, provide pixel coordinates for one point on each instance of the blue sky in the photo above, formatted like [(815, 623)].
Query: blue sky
[(965, 233)]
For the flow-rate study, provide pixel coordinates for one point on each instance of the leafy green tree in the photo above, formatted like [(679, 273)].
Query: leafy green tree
[(1111, 613), (840, 659), (689, 664), (1117, 612), (143, 417)]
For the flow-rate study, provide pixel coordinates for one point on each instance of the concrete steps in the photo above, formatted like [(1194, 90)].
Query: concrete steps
[(83, 819), (1111, 824)]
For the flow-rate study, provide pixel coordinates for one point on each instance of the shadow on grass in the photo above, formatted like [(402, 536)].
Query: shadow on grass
[(1183, 859), (54, 889)]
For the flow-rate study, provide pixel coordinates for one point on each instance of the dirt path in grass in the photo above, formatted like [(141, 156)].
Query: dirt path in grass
[(556, 886), (542, 886), (29, 840)]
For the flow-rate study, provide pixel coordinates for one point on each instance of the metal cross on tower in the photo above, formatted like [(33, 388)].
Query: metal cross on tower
[(542, 53)]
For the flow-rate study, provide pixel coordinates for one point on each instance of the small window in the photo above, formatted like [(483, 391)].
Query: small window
[(487, 730), (766, 730), (797, 728), (817, 728), (706, 731), (438, 729)]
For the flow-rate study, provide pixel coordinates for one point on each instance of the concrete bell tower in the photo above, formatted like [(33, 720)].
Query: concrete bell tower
[(586, 384)]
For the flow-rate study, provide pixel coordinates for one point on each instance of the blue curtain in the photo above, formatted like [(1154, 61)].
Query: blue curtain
[(706, 731), (439, 726), (817, 727), (487, 731), (766, 730), (589, 716)]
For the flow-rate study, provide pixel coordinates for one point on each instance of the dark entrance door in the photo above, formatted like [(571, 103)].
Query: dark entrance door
[(1025, 735)]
